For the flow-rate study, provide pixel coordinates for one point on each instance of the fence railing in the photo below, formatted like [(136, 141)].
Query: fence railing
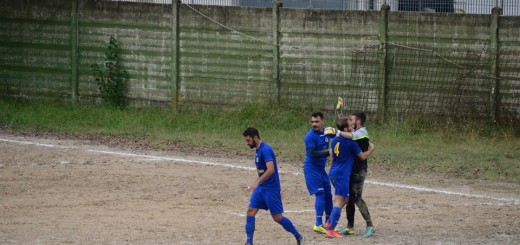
[(509, 7)]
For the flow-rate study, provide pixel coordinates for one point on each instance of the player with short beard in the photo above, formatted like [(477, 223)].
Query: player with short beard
[(316, 177), (357, 178), (266, 190)]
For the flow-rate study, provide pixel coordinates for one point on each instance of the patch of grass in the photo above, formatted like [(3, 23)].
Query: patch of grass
[(463, 149)]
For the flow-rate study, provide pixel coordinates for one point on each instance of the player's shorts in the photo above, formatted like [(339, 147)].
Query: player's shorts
[(316, 181), (263, 198), (357, 182), (341, 186)]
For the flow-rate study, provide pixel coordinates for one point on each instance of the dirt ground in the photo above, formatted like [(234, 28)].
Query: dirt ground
[(69, 191)]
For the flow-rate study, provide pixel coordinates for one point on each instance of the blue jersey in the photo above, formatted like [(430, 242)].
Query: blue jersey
[(264, 154), (344, 152), (316, 141)]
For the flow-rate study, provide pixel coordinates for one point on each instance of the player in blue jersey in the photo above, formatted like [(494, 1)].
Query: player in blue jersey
[(266, 190), (359, 134), (316, 178), (344, 152)]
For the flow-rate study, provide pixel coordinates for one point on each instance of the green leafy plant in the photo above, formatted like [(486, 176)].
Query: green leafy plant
[(111, 77)]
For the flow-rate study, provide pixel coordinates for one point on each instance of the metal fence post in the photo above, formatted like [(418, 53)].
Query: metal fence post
[(495, 46), (74, 52), (383, 69), (175, 54), (276, 49)]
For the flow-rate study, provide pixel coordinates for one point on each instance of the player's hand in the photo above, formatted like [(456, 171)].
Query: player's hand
[(339, 106), (371, 146), (330, 131), (251, 187)]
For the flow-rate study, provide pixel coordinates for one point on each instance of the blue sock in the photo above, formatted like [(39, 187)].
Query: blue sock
[(319, 206), (328, 202), (288, 226), (250, 228), (334, 217)]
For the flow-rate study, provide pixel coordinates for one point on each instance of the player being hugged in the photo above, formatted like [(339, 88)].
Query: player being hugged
[(316, 177), (357, 132), (266, 190), (344, 152)]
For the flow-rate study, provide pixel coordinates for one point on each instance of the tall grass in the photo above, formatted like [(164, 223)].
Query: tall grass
[(465, 149)]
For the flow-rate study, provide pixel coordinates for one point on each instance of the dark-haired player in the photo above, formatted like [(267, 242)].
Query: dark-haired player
[(316, 177), (266, 190)]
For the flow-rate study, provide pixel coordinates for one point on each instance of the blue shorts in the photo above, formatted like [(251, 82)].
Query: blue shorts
[(316, 181), (341, 186), (263, 198)]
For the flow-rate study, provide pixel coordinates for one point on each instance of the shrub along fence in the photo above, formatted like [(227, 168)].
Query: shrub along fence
[(384, 63)]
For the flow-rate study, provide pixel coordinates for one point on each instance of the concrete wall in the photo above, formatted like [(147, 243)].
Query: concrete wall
[(35, 47), (145, 32), (295, 57), (419, 80), (509, 34), (316, 54), (222, 67)]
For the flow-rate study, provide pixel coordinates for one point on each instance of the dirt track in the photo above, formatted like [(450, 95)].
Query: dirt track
[(75, 192)]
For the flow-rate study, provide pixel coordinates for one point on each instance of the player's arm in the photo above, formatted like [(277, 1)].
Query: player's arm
[(364, 155), (313, 153), (358, 134), (310, 148), (268, 172), (330, 131), (344, 134)]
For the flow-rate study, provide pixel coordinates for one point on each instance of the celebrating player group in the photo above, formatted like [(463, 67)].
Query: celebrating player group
[(349, 147)]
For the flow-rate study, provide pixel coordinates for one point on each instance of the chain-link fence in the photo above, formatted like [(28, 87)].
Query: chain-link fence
[(509, 7), (445, 82)]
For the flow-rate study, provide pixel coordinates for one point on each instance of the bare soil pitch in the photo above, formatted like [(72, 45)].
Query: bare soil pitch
[(65, 193)]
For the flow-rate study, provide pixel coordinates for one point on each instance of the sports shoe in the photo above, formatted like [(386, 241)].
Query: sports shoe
[(327, 226), (369, 231), (348, 231), (333, 234), (320, 229), (248, 243), (300, 240)]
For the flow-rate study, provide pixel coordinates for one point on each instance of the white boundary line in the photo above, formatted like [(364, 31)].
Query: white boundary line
[(452, 193), (197, 162), (243, 214)]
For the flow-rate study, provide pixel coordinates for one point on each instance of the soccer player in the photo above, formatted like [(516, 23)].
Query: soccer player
[(359, 172), (344, 152), (316, 178), (266, 190)]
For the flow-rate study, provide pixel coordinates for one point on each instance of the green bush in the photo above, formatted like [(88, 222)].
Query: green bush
[(111, 78)]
